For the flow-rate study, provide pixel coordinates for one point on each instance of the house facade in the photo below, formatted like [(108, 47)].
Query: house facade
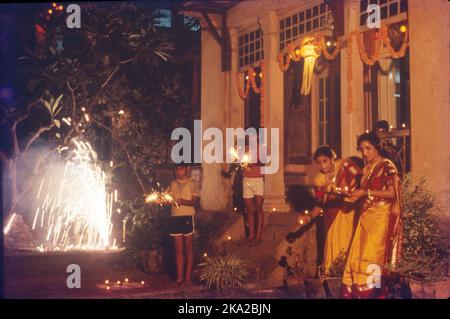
[(255, 67)]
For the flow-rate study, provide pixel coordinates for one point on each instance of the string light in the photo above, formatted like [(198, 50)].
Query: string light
[(121, 112), (403, 28), (229, 238), (107, 281), (50, 11), (403, 125)]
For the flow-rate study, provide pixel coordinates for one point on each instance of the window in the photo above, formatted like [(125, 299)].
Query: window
[(306, 21), (388, 8), (163, 18), (329, 108), (250, 48), (324, 111)]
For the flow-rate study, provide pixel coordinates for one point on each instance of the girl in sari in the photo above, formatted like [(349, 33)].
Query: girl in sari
[(336, 178), (377, 237)]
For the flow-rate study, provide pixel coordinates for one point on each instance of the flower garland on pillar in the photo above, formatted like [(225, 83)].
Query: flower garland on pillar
[(349, 75), (262, 90), (250, 82)]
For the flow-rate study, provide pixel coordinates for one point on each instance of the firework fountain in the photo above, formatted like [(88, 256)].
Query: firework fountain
[(74, 209)]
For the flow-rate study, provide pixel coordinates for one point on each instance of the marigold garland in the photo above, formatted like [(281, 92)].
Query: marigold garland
[(261, 103), (387, 42), (325, 53), (285, 58), (349, 75), (362, 50), (251, 83)]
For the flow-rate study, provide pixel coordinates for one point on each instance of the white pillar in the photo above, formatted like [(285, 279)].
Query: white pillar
[(352, 123), (215, 189), (273, 111)]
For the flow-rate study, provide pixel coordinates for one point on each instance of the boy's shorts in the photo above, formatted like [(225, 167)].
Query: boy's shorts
[(181, 225), (253, 187)]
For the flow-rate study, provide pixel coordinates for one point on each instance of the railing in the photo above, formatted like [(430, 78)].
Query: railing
[(399, 152)]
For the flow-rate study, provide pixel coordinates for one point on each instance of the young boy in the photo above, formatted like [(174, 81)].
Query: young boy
[(186, 194), (253, 192)]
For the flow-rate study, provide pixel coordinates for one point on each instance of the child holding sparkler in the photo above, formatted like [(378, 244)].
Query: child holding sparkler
[(185, 194), (253, 189)]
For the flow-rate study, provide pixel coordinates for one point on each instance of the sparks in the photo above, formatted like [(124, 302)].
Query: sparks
[(160, 197), (75, 212), (8, 226)]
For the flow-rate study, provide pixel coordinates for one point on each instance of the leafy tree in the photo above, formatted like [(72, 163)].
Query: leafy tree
[(112, 84)]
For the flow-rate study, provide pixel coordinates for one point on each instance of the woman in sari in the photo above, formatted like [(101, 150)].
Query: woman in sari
[(377, 237), (336, 178)]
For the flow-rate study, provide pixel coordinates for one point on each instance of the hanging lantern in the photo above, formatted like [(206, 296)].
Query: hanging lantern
[(310, 51)]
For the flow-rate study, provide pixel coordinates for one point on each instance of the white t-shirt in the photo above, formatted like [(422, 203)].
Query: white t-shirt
[(185, 189)]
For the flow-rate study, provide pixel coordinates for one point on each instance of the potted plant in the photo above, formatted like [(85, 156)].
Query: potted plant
[(424, 261)]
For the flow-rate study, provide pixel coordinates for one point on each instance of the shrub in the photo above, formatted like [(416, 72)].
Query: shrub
[(223, 273)]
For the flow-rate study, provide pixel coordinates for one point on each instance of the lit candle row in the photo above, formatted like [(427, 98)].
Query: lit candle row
[(108, 283)]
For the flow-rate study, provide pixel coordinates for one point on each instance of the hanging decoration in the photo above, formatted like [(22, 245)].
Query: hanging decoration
[(261, 104), (310, 51), (323, 48), (349, 75), (250, 83), (384, 32)]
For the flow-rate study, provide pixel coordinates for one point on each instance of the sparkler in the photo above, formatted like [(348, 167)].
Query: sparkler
[(160, 197), (75, 211), (243, 161)]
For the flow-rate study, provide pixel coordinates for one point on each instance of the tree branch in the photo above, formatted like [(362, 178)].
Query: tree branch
[(36, 135), (130, 160), (110, 76), (74, 103)]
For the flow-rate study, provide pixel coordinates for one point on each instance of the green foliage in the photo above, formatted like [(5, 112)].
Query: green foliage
[(148, 225), (424, 250), (223, 273), (338, 265), (111, 65)]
